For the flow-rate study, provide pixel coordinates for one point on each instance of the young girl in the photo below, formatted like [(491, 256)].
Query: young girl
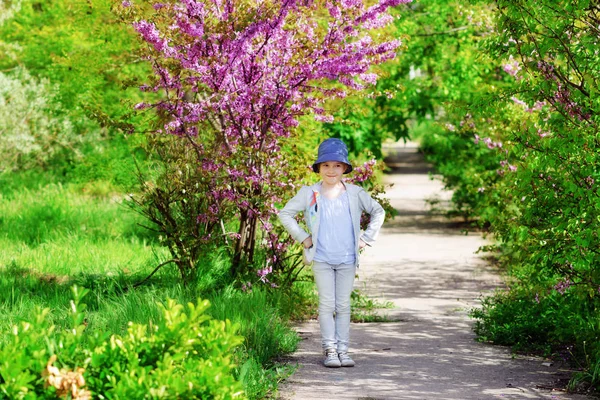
[(332, 211)]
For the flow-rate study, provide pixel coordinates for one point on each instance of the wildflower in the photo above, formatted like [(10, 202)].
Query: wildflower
[(247, 287), (519, 102), (262, 273), (562, 286), (324, 118), (512, 67), (126, 3), (537, 106), (542, 134)]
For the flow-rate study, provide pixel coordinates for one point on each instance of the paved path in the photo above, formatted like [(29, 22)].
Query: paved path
[(427, 267)]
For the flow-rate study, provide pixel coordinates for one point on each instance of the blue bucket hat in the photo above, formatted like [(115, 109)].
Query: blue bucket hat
[(332, 150)]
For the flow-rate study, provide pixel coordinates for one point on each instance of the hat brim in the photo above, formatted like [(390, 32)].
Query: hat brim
[(332, 157)]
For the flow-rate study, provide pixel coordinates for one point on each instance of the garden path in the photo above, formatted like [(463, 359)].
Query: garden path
[(428, 268)]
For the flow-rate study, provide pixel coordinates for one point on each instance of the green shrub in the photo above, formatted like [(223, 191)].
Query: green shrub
[(32, 130), (551, 321), (185, 354)]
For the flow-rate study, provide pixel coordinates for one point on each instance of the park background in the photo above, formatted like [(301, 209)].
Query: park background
[(113, 234)]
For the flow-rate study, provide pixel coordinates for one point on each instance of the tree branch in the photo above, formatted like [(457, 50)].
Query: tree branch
[(140, 283)]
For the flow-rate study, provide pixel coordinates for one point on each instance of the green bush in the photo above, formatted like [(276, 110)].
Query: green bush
[(33, 131), (547, 322), (185, 354), (468, 169), (518, 145)]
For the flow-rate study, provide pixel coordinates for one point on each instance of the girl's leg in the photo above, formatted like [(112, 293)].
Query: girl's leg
[(344, 282), (325, 280)]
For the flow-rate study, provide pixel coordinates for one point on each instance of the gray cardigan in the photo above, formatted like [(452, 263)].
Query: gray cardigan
[(307, 199)]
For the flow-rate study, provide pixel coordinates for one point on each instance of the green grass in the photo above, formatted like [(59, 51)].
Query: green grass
[(367, 309), (56, 235)]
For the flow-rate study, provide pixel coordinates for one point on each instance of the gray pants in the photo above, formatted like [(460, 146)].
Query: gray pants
[(334, 284)]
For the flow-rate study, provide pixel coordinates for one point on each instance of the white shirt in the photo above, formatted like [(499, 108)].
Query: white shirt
[(335, 244)]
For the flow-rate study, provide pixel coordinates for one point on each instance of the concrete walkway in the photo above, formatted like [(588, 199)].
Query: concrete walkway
[(426, 266)]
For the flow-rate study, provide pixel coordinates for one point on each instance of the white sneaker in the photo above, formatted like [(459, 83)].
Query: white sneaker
[(345, 360), (331, 359)]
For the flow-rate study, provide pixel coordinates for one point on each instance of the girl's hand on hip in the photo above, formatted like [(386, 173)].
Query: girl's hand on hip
[(362, 244), (307, 243)]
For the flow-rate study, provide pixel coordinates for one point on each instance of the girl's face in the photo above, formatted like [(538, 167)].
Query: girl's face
[(332, 171)]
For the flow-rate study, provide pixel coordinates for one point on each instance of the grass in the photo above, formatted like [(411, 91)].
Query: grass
[(56, 235), (366, 309)]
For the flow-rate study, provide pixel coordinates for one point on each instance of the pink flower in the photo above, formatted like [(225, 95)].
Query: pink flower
[(537, 106), (324, 118), (519, 102), (562, 286), (247, 287), (253, 81), (512, 67), (542, 134)]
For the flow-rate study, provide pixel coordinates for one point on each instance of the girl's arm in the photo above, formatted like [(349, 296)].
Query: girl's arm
[(287, 214), (377, 213)]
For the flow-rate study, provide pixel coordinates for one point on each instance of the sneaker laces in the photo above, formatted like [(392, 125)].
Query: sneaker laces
[(331, 354)]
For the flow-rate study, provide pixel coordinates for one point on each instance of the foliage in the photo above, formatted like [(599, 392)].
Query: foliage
[(55, 236), (33, 129), (68, 65), (439, 71), (7, 10), (527, 169), (364, 121), (83, 49), (235, 79), (183, 354), (365, 175)]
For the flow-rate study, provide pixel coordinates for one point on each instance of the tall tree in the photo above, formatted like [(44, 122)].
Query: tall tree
[(236, 76)]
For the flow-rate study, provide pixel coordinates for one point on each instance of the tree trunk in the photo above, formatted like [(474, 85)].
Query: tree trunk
[(237, 258)]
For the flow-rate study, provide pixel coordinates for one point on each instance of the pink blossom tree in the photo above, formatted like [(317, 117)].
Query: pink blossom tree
[(235, 77)]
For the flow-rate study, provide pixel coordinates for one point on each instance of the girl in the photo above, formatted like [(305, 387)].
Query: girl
[(332, 211)]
